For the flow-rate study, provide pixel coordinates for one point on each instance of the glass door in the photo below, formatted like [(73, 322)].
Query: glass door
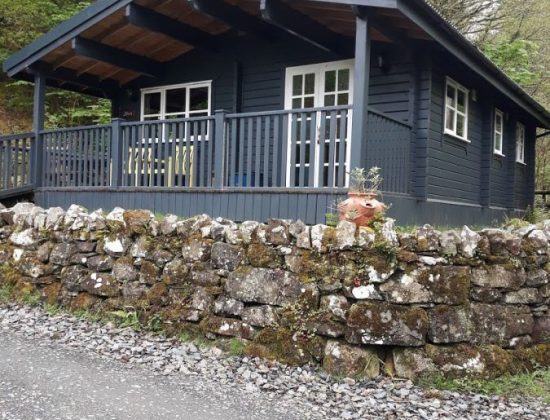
[(317, 86)]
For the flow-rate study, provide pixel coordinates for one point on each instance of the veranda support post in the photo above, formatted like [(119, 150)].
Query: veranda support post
[(360, 92), (38, 126)]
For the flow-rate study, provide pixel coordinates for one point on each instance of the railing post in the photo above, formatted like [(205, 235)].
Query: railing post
[(38, 126), (219, 148), (116, 152)]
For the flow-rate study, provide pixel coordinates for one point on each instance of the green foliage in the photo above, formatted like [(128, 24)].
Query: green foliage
[(30, 298), (184, 337), (155, 323), (52, 310), (331, 219), (236, 347), (533, 384), (6, 293), (517, 58), (21, 22), (127, 319)]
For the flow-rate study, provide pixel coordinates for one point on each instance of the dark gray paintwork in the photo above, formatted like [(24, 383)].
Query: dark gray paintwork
[(309, 205)]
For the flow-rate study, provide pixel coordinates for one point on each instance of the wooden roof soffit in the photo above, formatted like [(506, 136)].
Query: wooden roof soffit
[(235, 17), (382, 24), (299, 24), (156, 22), (96, 51)]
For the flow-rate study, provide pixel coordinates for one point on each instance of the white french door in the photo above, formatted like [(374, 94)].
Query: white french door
[(317, 86)]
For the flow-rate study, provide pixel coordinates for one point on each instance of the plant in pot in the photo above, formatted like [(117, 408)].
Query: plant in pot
[(362, 207)]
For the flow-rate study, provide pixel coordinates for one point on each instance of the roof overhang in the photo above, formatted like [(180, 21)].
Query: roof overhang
[(115, 43)]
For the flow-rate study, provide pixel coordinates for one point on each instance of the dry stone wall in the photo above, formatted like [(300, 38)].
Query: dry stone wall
[(358, 301)]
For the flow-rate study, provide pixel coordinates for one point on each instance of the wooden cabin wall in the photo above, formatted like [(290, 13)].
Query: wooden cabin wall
[(463, 172)]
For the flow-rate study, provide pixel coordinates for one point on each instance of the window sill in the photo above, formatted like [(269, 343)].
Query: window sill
[(498, 154), (455, 137), (521, 163)]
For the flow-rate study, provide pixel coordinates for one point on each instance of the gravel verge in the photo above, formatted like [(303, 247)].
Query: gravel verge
[(293, 392)]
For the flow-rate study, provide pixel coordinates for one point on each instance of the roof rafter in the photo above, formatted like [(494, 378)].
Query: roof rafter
[(156, 22), (298, 24), (116, 57), (233, 16)]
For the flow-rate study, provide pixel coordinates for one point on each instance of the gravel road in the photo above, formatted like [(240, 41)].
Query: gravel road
[(60, 367)]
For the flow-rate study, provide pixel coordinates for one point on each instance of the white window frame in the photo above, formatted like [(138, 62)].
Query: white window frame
[(458, 87), (496, 133), (520, 143), (320, 70), (163, 89)]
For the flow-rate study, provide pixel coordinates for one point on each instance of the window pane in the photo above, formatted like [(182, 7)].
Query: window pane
[(152, 103), (498, 123), (460, 126), (175, 100), (450, 120), (297, 85), (330, 81), (309, 102), (151, 118), (296, 103), (199, 99), (461, 101), (343, 79), (451, 92), (330, 100), (498, 143), (310, 84), (343, 99)]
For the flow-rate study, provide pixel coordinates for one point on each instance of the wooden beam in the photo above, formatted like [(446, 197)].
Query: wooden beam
[(304, 27), (360, 94), (116, 57), (72, 77), (234, 16), (156, 22)]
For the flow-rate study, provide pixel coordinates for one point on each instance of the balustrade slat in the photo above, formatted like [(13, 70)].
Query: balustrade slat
[(275, 160), (312, 145), (342, 151), (332, 149), (266, 143), (250, 144), (242, 128), (188, 149)]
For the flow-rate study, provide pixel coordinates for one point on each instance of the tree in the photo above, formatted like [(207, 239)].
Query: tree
[(476, 19), (22, 21)]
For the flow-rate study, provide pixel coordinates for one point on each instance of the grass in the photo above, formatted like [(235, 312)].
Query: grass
[(6, 293), (533, 384), (236, 347)]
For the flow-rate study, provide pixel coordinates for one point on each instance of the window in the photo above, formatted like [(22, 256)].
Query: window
[(181, 101), (499, 132), (520, 143), (456, 110)]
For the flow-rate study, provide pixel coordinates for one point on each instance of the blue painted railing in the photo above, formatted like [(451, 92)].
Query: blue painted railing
[(16, 164), (305, 148)]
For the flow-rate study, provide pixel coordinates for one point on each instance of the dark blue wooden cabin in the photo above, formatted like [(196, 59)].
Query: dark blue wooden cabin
[(253, 109)]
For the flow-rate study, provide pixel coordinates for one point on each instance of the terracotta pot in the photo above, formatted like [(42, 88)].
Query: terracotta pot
[(360, 208)]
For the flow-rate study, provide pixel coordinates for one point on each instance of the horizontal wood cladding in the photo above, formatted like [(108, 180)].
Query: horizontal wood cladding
[(471, 172), (454, 166)]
